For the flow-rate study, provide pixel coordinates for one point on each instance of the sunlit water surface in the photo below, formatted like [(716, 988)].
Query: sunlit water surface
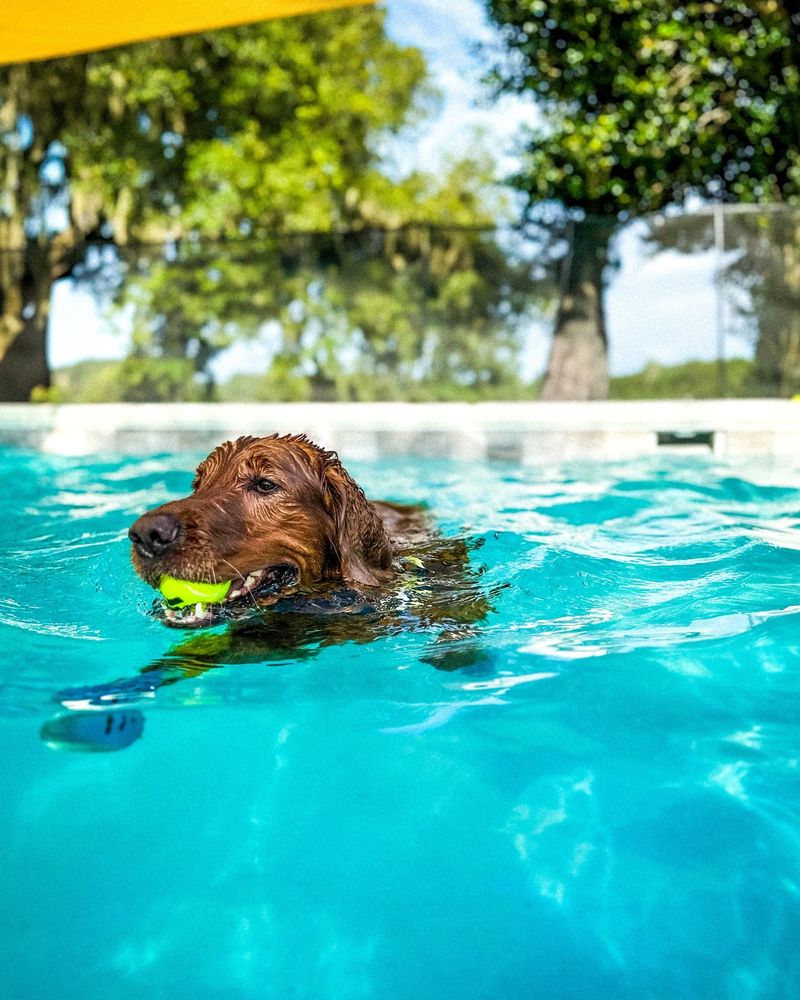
[(606, 804)]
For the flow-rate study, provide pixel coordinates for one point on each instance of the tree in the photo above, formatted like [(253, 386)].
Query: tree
[(387, 307), (643, 103), (759, 281), (768, 269), (214, 134)]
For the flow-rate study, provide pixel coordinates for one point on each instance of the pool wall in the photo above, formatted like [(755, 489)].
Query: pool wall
[(526, 432)]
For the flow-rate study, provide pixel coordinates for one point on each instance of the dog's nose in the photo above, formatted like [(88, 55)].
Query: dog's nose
[(153, 534)]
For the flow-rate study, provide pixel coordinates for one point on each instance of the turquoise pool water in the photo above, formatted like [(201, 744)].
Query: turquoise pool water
[(604, 804)]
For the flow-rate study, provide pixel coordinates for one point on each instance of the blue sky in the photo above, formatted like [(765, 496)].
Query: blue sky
[(660, 309), (449, 32)]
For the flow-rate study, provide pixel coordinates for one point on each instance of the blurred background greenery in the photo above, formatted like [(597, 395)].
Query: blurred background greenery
[(253, 188)]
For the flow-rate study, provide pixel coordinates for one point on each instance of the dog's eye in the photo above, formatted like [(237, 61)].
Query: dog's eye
[(263, 486)]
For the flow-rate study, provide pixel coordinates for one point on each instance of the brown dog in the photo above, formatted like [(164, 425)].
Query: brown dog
[(274, 515), (313, 563)]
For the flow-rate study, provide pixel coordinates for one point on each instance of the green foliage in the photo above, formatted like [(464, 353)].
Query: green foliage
[(143, 380), (360, 314), (377, 314), (88, 382), (298, 106), (646, 101), (101, 381), (195, 156), (132, 380), (264, 125), (146, 380), (246, 387), (692, 380), (47, 394)]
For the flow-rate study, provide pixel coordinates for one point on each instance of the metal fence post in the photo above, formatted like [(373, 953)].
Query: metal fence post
[(719, 247)]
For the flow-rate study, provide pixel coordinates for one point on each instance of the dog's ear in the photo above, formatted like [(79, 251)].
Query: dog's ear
[(361, 546)]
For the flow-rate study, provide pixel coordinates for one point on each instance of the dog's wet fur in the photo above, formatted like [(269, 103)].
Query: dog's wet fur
[(324, 564), (273, 514)]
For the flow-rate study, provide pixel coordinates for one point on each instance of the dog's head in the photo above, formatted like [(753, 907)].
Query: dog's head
[(270, 514)]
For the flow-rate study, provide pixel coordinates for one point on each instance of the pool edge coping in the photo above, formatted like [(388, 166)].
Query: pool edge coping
[(515, 431)]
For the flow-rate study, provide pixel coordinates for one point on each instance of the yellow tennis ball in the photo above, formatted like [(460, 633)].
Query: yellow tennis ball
[(181, 593)]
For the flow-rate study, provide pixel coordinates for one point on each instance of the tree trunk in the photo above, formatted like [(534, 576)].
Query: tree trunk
[(776, 368), (578, 364), (24, 312)]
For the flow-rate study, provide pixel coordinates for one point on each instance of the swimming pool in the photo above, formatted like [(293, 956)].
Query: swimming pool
[(604, 803)]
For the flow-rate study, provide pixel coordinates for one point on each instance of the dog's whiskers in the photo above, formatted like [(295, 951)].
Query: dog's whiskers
[(238, 572), (242, 576)]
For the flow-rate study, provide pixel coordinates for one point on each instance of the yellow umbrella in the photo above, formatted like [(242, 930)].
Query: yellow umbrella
[(42, 29)]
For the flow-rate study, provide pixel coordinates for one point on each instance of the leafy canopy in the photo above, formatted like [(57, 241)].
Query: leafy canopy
[(644, 102), (269, 125), (375, 312), (198, 157), (273, 125)]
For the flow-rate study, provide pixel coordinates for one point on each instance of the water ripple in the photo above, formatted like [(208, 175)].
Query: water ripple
[(611, 774)]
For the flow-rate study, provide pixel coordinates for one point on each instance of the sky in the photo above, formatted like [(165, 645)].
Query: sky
[(658, 309)]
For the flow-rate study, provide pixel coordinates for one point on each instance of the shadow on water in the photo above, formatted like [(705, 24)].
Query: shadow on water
[(438, 595)]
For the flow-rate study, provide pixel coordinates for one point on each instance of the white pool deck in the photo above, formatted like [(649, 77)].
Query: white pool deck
[(528, 432)]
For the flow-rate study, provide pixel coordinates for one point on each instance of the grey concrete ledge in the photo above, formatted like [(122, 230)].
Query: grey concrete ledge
[(520, 432)]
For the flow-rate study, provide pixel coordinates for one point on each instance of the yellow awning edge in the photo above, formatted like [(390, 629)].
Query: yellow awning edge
[(43, 29)]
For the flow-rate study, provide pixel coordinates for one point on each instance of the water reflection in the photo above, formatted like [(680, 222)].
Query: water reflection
[(440, 596)]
